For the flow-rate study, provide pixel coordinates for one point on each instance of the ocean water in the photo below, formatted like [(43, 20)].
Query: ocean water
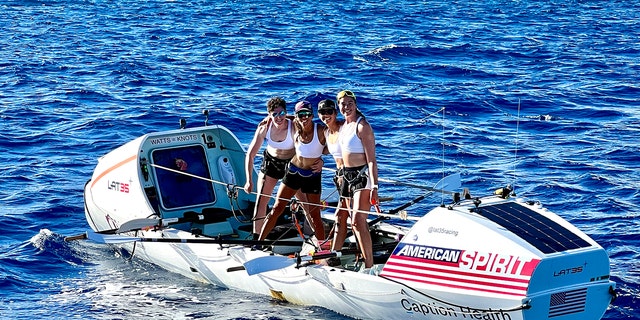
[(544, 95)]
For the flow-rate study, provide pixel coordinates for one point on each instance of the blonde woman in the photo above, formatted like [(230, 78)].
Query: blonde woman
[(357, 143)]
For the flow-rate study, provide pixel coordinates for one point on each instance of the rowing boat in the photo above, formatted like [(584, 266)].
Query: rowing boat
[(172, 198)]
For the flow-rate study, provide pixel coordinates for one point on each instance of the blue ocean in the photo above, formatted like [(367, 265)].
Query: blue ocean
[(542, 95)]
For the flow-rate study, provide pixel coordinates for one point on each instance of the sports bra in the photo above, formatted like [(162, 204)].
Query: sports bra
[(349, 140), (312, 149), (286, 144), (334, 148)]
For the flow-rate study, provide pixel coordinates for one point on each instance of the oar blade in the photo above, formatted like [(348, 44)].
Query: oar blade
[(267, 263), (451, 182), (81, 236), (137, 224)]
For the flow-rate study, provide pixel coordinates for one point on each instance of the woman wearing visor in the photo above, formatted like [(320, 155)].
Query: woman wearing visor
[(360, 179)]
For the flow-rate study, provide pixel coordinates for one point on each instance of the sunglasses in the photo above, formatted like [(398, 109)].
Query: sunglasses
[(282, 113), (346, 93), (327, 112), (304, 114)]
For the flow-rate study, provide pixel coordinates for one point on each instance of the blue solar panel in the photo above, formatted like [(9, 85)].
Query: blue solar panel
[(536, 229)]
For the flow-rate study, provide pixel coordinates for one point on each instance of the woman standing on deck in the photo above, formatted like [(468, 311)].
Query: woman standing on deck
[(328, 113), (361, 169), (278, 131), (309, 144)]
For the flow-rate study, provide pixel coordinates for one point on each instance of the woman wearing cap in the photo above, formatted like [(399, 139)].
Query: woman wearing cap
[(309, 145), (361, 169), (278, 131), (328, 113)]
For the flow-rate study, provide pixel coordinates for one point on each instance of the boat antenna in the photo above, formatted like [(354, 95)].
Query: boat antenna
[(206, 117), (443, 161), (443, 112), (515, 154)]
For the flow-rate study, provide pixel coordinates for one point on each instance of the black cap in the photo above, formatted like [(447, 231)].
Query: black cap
[(326, 104)]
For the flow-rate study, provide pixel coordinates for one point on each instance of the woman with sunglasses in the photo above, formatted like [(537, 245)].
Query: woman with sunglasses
[(328, 113), (278, 131), (358, 144), (303, 172)]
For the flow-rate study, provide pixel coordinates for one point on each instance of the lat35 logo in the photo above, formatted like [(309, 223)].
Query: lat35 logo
[(567, 271), (118, 186)]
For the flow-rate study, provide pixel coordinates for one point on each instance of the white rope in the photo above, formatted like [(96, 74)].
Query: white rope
[(403, 215)]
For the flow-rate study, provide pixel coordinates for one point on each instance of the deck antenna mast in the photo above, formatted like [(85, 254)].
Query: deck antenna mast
[(515, 154), (443, 143), (205, 112)]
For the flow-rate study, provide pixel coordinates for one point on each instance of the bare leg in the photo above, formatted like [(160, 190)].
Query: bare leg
[(314, 213), (342, 215), (265, 189), (360, 225), (302, 197), (284, 193)]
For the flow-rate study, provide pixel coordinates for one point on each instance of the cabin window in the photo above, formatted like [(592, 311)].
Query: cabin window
[(182, 187)]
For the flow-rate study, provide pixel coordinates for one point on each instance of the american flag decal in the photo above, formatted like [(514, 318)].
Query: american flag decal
[(568, 302)]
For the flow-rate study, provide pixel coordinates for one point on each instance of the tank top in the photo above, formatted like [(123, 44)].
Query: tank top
[(285, 144), (312, 149), (334, 148), (349, 140)]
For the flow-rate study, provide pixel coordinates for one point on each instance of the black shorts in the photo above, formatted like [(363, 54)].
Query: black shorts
[(303, 179), (273, 167), (355, 178), (338, 181)]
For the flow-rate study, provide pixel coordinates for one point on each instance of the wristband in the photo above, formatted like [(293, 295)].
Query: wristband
[(375, 186)]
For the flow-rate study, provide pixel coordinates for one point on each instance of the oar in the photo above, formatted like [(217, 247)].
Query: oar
[(410, 203), (446, 185), (270, 263), (140, 224), (145, 223), (117, 239), (275, 262)]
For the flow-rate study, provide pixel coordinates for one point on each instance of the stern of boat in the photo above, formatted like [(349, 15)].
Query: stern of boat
[(493, 253)]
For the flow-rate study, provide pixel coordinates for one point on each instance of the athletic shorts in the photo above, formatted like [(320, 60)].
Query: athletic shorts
[(355, 179), (303, 179), (338, 181), (273, 167)]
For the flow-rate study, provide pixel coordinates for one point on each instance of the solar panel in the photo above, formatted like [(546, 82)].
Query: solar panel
[(538, 230)]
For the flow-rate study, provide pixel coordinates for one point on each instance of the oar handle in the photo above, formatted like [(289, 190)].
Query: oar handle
[(321, 256)]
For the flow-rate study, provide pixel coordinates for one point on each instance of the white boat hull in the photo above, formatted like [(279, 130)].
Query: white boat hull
[(355, 294), (459, 262)]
